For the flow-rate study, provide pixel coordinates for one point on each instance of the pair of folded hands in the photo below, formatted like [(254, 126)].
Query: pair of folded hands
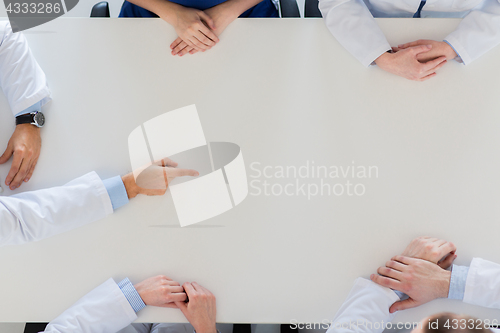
[(420, 272)]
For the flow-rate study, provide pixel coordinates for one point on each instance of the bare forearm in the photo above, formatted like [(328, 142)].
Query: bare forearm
[(238, 7), (163, 8)]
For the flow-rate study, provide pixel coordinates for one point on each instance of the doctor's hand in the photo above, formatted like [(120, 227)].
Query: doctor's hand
[(222, 15), (24, 145), (420, 279), (194, 28), (439, 49), (161, 291), (405, 63), (435, 250), (154, 179), (200, 310)]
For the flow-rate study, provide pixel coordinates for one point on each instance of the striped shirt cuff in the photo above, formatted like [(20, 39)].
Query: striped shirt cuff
[(116, 191), (457, 282), (132, 295)]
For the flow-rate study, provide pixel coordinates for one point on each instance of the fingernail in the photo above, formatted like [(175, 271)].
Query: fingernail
[(7, 183), (429, 46), (26, 180), (371, 276)]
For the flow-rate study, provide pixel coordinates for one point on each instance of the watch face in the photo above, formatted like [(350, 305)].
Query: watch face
[(39, 119)]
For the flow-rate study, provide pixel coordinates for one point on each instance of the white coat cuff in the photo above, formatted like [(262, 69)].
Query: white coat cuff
[(459, 49), (372, 56)]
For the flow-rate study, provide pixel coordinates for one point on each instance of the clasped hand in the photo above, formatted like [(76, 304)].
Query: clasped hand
[(419, 272), (418, 60)]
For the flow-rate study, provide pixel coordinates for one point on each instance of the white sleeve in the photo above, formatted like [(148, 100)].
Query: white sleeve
[(104, 310), (21, 78), (483, 284), (478, 32), (366, 309), (354, 27), (32, 216)]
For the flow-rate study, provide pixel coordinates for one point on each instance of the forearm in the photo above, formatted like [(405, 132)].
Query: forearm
[(32, 216), (478, 32), (354, 27), (235, 8), (21, 78), (165, 9), (105, 309)]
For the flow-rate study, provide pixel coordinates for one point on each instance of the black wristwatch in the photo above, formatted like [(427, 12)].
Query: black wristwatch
[(34, 118)]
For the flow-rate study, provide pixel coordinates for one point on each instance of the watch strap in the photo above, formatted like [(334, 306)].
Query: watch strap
[(28, 118)]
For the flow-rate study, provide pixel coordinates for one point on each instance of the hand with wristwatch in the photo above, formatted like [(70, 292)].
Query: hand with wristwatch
[(24, 146)]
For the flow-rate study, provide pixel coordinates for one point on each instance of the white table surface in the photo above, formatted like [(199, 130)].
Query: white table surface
[(287, 93)]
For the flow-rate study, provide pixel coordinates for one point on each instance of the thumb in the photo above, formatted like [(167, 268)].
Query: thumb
[(403, 305), (6, 155), (182, 306), (208, 20), (421, 49), (446, 262)]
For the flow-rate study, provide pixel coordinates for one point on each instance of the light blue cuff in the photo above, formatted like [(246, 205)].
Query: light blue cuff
[(116, 191), (402, 296), (35, 107), (132, 295), (457, 282), (458, 55)]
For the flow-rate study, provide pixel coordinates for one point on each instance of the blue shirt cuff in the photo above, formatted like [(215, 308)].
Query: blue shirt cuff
[(457, 282), (402, 296), (35, 107), (458, 55), (132, 295), (116, 191)]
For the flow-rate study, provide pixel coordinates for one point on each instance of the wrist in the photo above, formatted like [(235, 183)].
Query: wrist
[(450, 52), (168, 12), (130, 185), (383, 59), (445, 284), (209, 329)]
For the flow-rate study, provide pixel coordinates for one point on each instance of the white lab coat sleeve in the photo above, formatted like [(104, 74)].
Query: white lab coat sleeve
[(483, 284), (104, 310), (32, 216), (354, 27), (366, 309), (21, 78), (478, 32)]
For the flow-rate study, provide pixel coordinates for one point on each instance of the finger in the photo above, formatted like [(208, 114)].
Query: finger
[(190, 42), (32, 169), (388, 272), (175, 43), (14, 169), (403, 259), (189, 289), (210, 23), (197, 287), (21, 174), (182, 172), (171, 305), (385, 281), (176, 289), (448, 261), (407, 45), (180, 47), (427, 77), (173, 283), (7, 154), (421, 49), (187, 50), (168, 162), (193, 51), (204, 39), (448, 247), (177, 297), (433, 64), (182, 306), (403, 305), (197, 44), (395, 265)]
